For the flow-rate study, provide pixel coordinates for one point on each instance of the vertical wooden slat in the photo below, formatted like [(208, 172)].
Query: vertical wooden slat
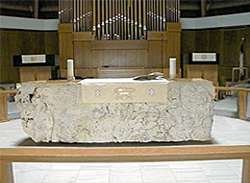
[(4, 107), (246, 171), (6, 172), (242, 104)]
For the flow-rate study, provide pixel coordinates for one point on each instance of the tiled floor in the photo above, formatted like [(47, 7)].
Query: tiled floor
[(225, 131)]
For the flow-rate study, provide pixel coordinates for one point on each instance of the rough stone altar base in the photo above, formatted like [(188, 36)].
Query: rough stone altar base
[(53, 111)]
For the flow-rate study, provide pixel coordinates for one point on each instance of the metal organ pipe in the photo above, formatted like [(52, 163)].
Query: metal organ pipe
[(119, 19)]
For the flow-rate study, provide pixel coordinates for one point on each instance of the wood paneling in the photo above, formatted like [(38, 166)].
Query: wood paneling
[(225, 41), (65, 43), (3, 107), (209, 72), (17, 42), (35, 73), (120, 72), (120, 45), (152, 53)]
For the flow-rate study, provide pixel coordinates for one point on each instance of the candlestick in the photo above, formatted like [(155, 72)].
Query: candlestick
[(172, 68), (70, 69)]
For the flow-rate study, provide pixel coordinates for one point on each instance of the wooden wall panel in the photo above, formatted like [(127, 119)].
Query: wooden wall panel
[(231, 49), (209, 72), (35, 73), (17, 42), (65, 43), (155, 54), (151, 53), (51, 45), (87, 54), (246, 34), (97, 58), (225, 41), (119, 58), (78, 54)]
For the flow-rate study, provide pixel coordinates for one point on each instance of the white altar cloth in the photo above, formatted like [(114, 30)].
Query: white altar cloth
[(123, 91), (54, 111)]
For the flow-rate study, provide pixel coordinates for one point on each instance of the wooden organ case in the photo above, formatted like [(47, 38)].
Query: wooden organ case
[(127, 36)]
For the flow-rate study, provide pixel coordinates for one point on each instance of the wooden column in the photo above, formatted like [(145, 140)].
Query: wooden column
[(203, 8), (3, 107), (6, 172), (65, 44), (36, 8), (242, 104), (246, 171), (173, 44)]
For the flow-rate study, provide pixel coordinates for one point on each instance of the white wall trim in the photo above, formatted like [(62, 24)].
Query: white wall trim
[(8, 22), (242, 19), (232, 20)]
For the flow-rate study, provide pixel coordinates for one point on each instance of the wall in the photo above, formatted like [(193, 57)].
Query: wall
[(225, 41), (17, 42)]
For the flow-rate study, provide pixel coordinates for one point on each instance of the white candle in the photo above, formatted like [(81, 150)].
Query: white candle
[(70, 69), (172, 68)]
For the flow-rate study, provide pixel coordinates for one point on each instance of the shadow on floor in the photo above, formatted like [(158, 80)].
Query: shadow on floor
[(30, 143)]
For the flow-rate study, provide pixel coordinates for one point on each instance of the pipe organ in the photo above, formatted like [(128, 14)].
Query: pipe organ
[(119, 38), (119, 19)]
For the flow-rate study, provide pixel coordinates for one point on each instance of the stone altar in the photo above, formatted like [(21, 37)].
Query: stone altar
[(55, 111)]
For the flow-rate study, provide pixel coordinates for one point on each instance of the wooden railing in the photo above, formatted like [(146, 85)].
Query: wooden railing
[(133, 154), (3, 104), (242, 99)]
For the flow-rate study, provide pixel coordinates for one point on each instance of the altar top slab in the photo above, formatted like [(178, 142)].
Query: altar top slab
[(117, 79)]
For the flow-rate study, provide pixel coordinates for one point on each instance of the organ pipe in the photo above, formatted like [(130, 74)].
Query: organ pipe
[(119, 19)]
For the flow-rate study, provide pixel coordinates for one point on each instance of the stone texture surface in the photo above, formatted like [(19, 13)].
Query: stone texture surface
[(54, 111)]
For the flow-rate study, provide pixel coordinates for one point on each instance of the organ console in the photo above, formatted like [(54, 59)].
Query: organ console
[(119, 19)]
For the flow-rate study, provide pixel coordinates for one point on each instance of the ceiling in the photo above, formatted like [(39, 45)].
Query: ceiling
[(48, 9)]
